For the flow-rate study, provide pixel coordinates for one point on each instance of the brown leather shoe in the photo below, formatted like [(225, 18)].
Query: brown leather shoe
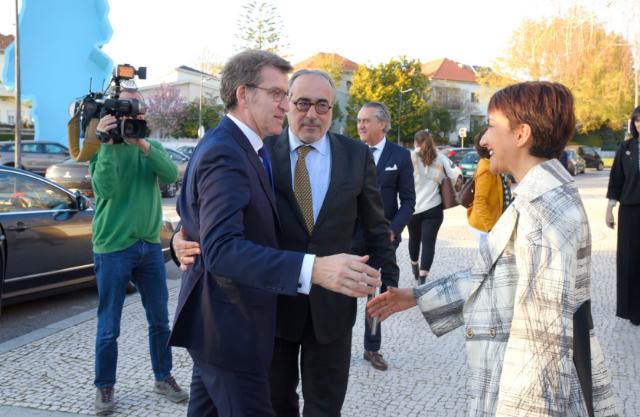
[(376, 360)]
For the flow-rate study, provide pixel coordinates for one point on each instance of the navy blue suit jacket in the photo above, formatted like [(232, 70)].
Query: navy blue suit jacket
[(395, 178), (394, 174), (227, 305)]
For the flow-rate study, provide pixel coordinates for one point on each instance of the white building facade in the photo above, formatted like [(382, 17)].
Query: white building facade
[(455, 88)]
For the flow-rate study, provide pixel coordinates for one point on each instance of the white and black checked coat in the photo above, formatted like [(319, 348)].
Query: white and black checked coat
[(517, 305)]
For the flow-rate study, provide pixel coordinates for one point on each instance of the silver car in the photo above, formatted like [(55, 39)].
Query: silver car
[(36, 156)]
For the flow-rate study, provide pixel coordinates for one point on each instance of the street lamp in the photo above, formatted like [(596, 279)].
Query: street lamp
[(200, 126), (400, 93)]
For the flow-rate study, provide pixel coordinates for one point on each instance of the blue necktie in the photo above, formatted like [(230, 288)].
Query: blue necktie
[(266, 162)]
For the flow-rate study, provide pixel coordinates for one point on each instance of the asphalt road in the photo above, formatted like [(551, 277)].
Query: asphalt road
[(20, 319)]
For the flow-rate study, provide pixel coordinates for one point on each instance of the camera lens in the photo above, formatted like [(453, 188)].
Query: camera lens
[(129, 129)]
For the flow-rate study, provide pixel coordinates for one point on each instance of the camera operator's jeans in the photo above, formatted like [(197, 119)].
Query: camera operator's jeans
[(143, 264)]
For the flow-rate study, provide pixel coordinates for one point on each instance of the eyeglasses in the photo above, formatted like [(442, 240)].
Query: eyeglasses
[(276, 94), (322, 106)]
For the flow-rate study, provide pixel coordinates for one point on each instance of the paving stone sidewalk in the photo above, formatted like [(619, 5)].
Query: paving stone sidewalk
[(53, 376)]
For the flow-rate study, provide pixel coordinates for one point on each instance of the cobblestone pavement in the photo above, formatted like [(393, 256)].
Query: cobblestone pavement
[(426, 375)]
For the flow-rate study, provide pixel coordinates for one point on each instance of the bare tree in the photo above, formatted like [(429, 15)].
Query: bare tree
[(164, 111)]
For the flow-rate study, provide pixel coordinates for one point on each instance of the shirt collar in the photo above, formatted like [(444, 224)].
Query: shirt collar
[(320, 145), (380, 145), (540, 179), (254, 138)]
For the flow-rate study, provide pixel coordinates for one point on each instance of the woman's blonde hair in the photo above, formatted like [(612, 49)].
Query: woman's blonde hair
[(427, 152)]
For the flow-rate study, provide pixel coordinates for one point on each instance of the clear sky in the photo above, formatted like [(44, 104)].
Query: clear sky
[(164, 34)]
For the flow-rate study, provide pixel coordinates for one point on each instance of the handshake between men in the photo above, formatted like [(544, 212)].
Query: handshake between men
[(342, 273)]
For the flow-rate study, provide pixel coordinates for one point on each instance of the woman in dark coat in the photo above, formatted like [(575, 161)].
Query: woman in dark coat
[(624, 187)]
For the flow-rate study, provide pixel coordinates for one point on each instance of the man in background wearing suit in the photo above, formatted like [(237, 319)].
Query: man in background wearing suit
[(227, 304), (325, 183), (394, 172)]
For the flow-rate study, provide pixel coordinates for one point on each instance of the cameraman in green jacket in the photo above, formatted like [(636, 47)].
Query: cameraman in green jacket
[(126, 246)]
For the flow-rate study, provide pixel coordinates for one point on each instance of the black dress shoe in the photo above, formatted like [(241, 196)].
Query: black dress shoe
[(376, 360)]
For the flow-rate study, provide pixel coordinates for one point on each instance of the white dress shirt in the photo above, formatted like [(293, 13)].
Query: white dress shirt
[(376, 150)]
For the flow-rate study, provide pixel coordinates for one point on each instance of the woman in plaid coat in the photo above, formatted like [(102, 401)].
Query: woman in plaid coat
[(525, 304)]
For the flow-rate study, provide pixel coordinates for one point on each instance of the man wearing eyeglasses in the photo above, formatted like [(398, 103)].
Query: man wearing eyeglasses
[(227, 304), (324, 184)]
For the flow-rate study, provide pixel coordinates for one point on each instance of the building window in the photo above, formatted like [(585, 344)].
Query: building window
[(474, 97), (448, 97), (11, 118)]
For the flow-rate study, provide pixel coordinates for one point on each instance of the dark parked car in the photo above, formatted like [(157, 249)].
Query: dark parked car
[(36, 155), (75, 175), (573, 162), (469, 163), (591, 157), (45, 237)]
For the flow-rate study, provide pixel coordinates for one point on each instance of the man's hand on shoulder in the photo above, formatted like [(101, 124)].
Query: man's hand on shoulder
[(345, 274), (186, 250)]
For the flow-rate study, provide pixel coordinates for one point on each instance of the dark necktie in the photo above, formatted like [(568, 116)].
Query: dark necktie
[(372, 151), (302, 187), (266, 162)]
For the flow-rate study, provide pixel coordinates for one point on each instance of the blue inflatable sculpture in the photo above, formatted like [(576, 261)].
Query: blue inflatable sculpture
[(60, 54)]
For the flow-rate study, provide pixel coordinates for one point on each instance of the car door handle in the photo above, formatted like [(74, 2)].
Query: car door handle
[(19, 227)]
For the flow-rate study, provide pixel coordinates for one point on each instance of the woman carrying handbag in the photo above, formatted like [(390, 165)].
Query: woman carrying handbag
[(430, 169)]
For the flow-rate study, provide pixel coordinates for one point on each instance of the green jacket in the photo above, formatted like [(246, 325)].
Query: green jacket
[(127, 194)]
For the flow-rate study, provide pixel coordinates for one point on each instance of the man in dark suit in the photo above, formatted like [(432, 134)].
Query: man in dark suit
[(227, 304), (314, 332), (325, 183), (394, 172)]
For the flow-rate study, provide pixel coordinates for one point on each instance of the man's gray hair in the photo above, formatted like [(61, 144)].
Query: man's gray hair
[(244, 69), (321, 73), (381, 113)]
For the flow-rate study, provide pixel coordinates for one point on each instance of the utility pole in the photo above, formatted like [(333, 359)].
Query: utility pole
[(18, 121)]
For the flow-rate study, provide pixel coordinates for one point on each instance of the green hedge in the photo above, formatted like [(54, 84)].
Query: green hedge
[(6, 137), (604, 138)]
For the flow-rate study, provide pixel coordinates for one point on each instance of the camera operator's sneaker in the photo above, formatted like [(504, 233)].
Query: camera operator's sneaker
[(105, 403), (170, 388)]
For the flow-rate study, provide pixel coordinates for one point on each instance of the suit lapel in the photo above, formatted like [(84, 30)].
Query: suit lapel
[(338, 171), (242, 140), (384, 157), (282, 174)]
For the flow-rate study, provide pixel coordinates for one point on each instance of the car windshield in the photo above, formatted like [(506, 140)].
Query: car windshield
[(470, 158)]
